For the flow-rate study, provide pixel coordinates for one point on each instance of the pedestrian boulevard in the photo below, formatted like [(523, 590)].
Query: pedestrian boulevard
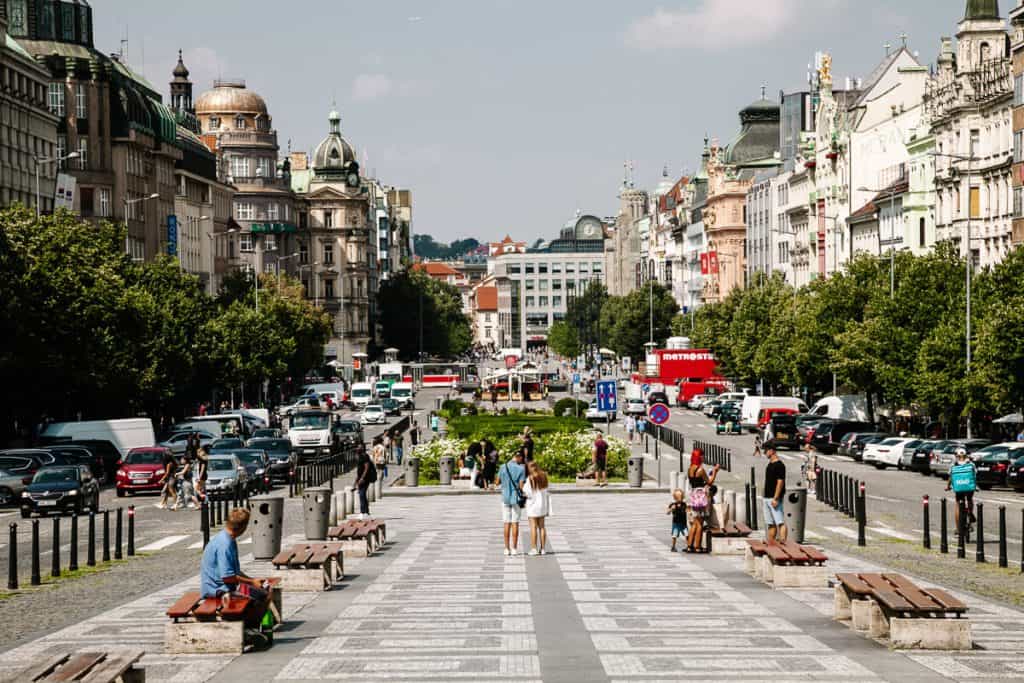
[(611, 603)]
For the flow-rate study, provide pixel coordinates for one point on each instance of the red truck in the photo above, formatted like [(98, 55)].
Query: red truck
[(693, 371)]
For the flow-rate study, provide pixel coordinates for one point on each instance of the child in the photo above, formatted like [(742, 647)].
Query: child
[(677, 508)]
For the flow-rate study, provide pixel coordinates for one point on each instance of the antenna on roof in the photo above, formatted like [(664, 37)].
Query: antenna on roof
[(764, 92), (903, 37), (888, 49)]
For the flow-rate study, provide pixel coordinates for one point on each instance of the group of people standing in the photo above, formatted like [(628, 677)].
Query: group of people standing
[(636, 426), (184, 479), (479, 463)]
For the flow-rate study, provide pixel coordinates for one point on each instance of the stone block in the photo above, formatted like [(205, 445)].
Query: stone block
[(860, 611), (841, 605), (750, 562), (462, 483), (930, 634), (799, 576), (765, 569), (585, 483), (203, 638), (878, 626), (357, 547), (728, 546), (303, 580)]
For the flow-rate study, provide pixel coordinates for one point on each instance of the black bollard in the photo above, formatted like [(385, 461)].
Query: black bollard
[(961, 532), (204, 522), (55, 558), (753, 500), (219, 504), (862, 515), (36, 579), (90, 543), (1002, 537), (979, 548), (131, 531), (73, 561), (106, 535), (12, 558), (926, 522), (746, 498), (118, 533), (943, 531)]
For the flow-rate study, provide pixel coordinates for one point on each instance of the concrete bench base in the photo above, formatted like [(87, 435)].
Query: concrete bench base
[(797, 576), (462, 483), (212, 637), (841, 609), (302, 580), (860, 614), (930, 634), (729, 545), (357, 547), (750, 561), (585, 483)]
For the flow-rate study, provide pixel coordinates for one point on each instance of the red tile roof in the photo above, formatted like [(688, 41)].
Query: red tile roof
[(487, 299), (436, 269)]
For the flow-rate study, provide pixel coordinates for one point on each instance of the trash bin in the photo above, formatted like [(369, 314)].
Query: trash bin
[(445, 467), (796, 513), (636, 471), (412, 471), (266, 518), (316, 505)]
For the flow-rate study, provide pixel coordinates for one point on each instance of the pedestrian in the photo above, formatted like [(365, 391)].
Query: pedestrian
[(399, 442), (169, 493), (512, 478), (366, 474), (699, 502), (202, 462), (494, 400), (810, 467), (491, 458), (677, 508), (528, 444), (538, 507), (186, 489), (774, 489), (470, 462), (414, 435), (599, 458), (435, 422), (386, 442), (630, 427), (641, 427), (380, 456)]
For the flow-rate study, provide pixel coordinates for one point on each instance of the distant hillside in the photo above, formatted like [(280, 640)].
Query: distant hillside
[(427, 247)]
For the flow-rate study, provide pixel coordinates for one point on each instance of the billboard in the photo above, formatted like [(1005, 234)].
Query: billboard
[(64, 194)]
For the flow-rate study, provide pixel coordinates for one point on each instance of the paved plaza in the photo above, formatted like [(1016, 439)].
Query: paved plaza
[(611, 603)]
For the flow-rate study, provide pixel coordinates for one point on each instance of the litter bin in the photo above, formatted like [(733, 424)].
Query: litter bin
[(316, 504), (445, 466), (636, 471), (412, 471), (266, 518), (796, 513)]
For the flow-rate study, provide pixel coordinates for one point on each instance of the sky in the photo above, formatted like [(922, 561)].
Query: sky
[(507, 117)]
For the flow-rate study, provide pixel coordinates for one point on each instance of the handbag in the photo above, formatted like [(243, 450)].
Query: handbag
[(699, 498), (520, 496)]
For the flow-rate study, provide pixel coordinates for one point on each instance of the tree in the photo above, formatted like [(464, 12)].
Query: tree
[(626, 322), (563, 339), (412, 302), (583, 313)]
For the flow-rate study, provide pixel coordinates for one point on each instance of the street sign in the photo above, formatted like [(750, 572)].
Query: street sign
[(607, 396), (659, 413), (576, 378), (627, 363), (645, 388), (172, 235)]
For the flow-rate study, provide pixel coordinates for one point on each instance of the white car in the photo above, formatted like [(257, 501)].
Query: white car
[(594, 414), (636, 406), (301, 404), (373, 414), (887, 452), (698, 401)]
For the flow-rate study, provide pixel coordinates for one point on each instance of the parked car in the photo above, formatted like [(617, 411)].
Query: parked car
[(724, 405), (61, 489), (1015, 475), (373, 414), (907, 455), (657, 397), (595, 415), (709, 406), (178, 442), (141, 470), (300, 403), (698, 401), (226, 475), (257, 466), (24, 461), (266, 433), (784, 432), (805, 423), (635, 406), (861, 442), (106, 450), (80, 455), (226, 444), (11, 486), (391, 406), (279, 450), (728, 422), (921, 458), (942, 459), (826, 435), (887, 452), (992, 463)]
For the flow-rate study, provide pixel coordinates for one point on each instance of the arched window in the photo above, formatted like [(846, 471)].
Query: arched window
[(240, 122), (47, 20), (67, 21), (984, 51), (920, 232)]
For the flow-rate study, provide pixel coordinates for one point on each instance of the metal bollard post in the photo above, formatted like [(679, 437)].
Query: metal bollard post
[(961, 529), (118, 533), (73, 561), (979, 549), (746, 500), (1002, 537), (943, 531), (862, 515), (204, 522), (90, 544), (55, 557), (131, 531), (753, 499), (106, 535), (12, 558), (36, 579), (927, 525)]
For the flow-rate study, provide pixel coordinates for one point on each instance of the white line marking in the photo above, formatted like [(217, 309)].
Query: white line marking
[(842, 531), (162, 543), (895, 534)]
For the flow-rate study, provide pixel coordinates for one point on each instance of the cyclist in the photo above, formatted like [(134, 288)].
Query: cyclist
[(963, 481)]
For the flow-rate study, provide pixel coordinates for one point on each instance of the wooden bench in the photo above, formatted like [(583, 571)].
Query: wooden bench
[(86, 667), (786, 564), (211, 626), (728, 539), (732, 530), (894, 606), (314, 566), (359, 538)]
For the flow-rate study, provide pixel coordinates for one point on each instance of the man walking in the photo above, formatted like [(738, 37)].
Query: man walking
[(512, 477), (774, 490), (600, 460)]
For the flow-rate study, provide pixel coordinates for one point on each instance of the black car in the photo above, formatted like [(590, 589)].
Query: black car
[(784, 432), (657, 397), (348, 432), (25, 461), (826, 436), (806, 422), (728, 422), (226, 444), (1015, 475), (79, 455), (257, 464), (391, 406), (856, 448), (282, 459), (992, 464), (921, 458), (105, 450), (61, 488)]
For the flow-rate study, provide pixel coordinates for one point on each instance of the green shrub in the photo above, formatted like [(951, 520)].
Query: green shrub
[(452, 408), (564, 406), (497, 426)]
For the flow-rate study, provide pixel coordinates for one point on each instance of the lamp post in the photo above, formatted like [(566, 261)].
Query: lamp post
[(128, 203), (261, 251), (312, 276), (39, 161), (284, 258), (213, 246)]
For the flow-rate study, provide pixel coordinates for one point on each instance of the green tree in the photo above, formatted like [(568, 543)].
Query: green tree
[(413, 301), (583, 313), (626, 322), (563, 340)]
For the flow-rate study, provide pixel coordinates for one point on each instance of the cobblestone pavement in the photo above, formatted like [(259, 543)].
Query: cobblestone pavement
[(611, 603)]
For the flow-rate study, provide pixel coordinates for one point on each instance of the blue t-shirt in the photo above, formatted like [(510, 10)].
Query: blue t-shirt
[(512, 474), (220, 559)]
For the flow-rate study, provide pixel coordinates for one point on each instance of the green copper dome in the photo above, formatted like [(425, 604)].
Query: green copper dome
[(982, 9)]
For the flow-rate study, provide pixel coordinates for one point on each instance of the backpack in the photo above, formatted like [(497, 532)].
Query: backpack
[(371, 474), (962, 478)]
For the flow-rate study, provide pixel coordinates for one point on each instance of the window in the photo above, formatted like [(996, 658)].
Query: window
[(542, 301), (597, 267), (214, 123), (975, 142), (240, 122), (56, 102), (83, 24), (975, 207), (86, 201), (273, 211), (83, 152), (920, 232), (263, 168), (530, 302), (103, 203), (239, 166), (1018, 202), (329, 287), (244, 211), (245, 242), (47, 22), (62, 149), (530, 285), (1018, 90), (542, 268), (584, 268), (556, 285), (487, 333), (514, 269), (529, 269), (570, 268), (67, 21), (1018, 147), (542, 285), (17, 17), (556, 301), (303, 253), (328, 259), (556, 268), (269, 243), (81, 106), (328, 219)]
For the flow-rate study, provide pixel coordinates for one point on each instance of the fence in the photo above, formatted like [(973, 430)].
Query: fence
[(715, 454)]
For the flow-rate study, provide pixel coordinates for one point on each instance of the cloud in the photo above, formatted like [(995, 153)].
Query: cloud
[(713, 24), (369, 87)]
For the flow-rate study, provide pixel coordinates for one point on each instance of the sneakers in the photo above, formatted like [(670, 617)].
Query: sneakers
[(533, 551), (543, 552), (507, 552), (513, 552), (673, 549), (160, 506)]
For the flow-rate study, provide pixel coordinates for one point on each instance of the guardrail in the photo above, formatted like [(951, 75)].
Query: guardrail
[(844, 494)]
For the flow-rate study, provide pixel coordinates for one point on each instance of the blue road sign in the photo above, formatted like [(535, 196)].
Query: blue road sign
[(659, 413), (645, 388), (576, 378), (607, 395), (172, 235)]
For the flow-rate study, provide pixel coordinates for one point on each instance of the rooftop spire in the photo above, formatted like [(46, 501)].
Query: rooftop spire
[(982, 9)]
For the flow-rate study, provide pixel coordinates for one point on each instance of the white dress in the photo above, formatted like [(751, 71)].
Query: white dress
[(538, 502)]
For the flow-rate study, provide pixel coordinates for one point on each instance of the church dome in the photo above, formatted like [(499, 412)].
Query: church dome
[(982, 9), (334, 152), (230, 97), (761, 110), (180, 71)]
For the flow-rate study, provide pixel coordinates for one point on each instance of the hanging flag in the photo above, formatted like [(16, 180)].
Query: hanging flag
[(704, 264), (713, 262)]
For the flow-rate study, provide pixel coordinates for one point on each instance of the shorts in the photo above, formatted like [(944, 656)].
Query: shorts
[(678, 530), (511, 514), (600, 464), (774, 516)]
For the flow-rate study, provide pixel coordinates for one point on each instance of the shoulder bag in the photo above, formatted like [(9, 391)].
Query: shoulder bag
[(520, 496)]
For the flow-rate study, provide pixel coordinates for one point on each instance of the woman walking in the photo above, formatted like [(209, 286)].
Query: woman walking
[(380, 456), (700, 500), (471, 463), (538, 507)]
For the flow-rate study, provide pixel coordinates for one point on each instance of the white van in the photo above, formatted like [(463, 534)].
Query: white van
[(753, 405), (362, 394), (125, 434), (403, 392), (852, 407)]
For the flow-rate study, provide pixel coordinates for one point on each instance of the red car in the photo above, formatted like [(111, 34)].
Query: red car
[(766, 414), (141, 470)]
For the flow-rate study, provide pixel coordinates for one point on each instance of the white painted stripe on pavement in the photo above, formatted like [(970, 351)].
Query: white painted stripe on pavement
[(893, 533), (842, 531), (811, 534), (162, 543)]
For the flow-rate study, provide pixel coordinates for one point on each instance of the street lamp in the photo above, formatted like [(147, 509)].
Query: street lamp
[(132, 202), (39, 161), (312, 275), (284, 258)]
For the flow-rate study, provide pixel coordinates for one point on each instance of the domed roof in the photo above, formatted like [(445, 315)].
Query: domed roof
[(180, 71), (230, 97), (334, 152)]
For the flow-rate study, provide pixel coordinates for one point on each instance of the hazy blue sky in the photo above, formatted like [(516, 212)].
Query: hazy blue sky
[(508, 116)]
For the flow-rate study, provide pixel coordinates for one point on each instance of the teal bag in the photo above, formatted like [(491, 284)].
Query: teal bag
[(962, 478)]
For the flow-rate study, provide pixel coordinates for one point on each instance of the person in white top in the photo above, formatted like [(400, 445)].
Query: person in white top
[(538, 506)]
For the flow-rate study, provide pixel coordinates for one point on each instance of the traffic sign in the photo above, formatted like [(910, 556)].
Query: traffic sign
[(659, 413), (576, 378), (645, 388), (607, 396)]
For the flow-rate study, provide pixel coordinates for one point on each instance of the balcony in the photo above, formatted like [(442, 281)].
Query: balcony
[(262, 182)]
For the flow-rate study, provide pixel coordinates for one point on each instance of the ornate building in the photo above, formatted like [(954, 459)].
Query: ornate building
[(1017, 58), (624, 267), (969, 104)]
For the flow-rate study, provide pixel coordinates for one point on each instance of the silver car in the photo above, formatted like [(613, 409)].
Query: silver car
[(11, 486), (942, 460), (226, 475), (178, 442)]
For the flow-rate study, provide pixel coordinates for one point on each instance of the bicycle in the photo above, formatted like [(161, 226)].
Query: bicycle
[(964, 511)]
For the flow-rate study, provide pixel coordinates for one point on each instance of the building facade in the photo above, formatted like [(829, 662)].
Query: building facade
[(1017, 62)]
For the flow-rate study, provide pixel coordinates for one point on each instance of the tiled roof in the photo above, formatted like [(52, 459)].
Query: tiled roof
[(487, 298), (868, 210), (436, 269)]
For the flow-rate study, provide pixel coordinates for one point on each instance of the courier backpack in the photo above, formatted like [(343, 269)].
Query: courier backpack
[(962, 478)]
